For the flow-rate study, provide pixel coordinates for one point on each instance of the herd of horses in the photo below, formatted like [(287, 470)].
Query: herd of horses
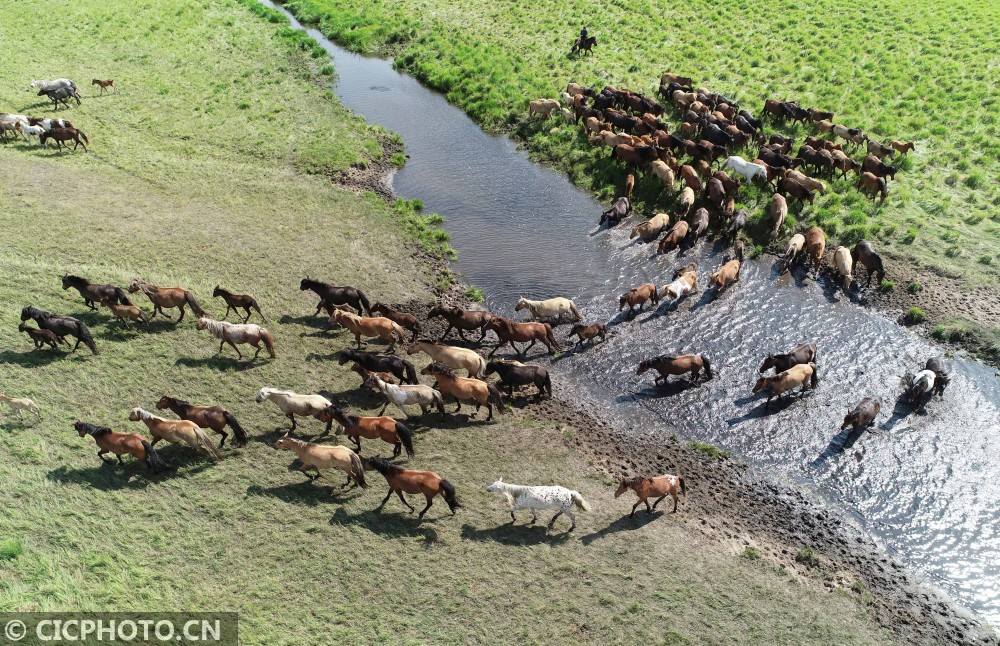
[(61, 131)]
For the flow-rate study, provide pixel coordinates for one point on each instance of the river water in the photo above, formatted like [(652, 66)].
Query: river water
[(925, 486)]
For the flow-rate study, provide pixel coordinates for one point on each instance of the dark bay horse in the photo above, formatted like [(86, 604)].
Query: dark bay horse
[(668, 365), (409, 481), (245, 302), (65, 134), (864, 253), (61, 326), (402, 319), (396, 366), (94, 293), (331, 295), (462, 320), (584, 45), (512, 374), (213, 417), (121, 444), (802, 353)]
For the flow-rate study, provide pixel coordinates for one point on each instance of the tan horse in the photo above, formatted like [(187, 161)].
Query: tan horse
[(728, 274), (658, 487), (464, 389), (668, 365), (234, 333), (319, 456), (816, 246), (843, 264), (811, 183), (371, 327), (454, 358), (803, 374), (128, 313), (661, 170), (544, 107), (20, 404), (166, 297), (675, 235), (652, 228), (902, 147), (292, 404), (685, 202), (795, 244), (177, 431), (778, 211)]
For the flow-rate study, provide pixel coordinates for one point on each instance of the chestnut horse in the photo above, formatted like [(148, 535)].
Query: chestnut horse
[(386, 429), (65, 134), (462, 320), (815, 246), (463, 388), (658, 487), (509, 331), (589, 332), (364, 326), (872, 185), (213, 417), (409, 481), (121, 444), (638, 296), (668, 365), (167, 297)]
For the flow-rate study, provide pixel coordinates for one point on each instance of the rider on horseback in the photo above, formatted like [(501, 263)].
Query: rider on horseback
[(583, 37)]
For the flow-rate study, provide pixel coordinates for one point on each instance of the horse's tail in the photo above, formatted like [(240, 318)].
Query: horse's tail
[(398, 332), (684, 490), (364, 302), (195, 307), (551, 337), (256, 307), (405, 436), (547, 383), (814, 379), (576, 312), (85, 336), (579, 501), (241, 435), (268, 341), (206, 444), (82, 136), (411, 372), (359, 470), (155, 463), (448, 493), (495, 397), (482, 367), (439, 402), (122, 296), (708, 366)]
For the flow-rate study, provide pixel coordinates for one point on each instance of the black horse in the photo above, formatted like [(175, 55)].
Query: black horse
[(584, 45), (400, 368), (330, 295), (61, 94), (94, 293), (513, 374), (61, 326), (802, 353)]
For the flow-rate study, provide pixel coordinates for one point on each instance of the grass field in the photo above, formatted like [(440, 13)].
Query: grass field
[(197, 177), (923, 71)]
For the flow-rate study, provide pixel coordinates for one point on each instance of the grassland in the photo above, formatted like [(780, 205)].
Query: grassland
[(202, 173), (923, 71)]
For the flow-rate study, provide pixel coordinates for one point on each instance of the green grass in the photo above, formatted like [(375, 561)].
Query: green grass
[(919, 71), (983, 340), (914, 315), (708, 450), (186, 187), (474, 294)]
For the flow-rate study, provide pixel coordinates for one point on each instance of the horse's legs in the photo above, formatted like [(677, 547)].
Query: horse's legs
[(572, 518), (384, 500), (512, 518), (238, 353), (445, 332), (181, 317), (534, 516), (489, 410), (530, 346), (399, 492), (224, 435), (248, 314), (291, 416), (100, 454), (637, 503), (256, 345), (430, 501), (655, 503), (459, 406), (397, 449), (553, 521), (221, 345)]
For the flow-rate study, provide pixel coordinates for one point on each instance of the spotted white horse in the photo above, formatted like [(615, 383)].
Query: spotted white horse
[(536, 498)]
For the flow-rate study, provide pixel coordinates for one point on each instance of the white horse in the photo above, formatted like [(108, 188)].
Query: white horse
[(48, 86), (32, 131), (552, 308), (684, 285), (843, 264), (535, 498), (292, 404), (419, 394), (921, 385), (747, 169), (19, 404)]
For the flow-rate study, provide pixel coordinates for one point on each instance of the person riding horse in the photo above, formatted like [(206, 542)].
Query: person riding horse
[(583, 37)]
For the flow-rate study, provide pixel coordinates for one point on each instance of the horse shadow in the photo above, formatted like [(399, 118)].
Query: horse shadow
[(668, 388), (223, 364), (707, 296), (308, 320), (115, 331), (306, 493), (623, 524), (842, 441), (392, 523), (520, 534), (763, 410), (107, 476), (35, 358)]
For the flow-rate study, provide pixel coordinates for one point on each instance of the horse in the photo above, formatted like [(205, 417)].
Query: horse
[(461, 320), (535, 498), (94, 293), (843, 266), (61, 135), (52, 85), (651, 229), (463, 388), (699, 225), (404, 320), (126, 313), (512, 332), (61, 326), (815, 246), (738, 224), (41, 337), (371, 327), (552, 308), (683, 285), (365, 373), (453, 357), (401, 396), (213, 417), (513, 373), (879, 149), (620, 209), (589, 332), (11, 127), (902, 147), (802, 353), (658, 487), (727, 274), (863, 415), (941, 370), (629, 185), (233, 333), (638, 296), (675, 235), (48, 124), (668, 365), (584, 45), (684, 202), (803, 374), (543, 107), (20, 404), (794, 189), (810, 183), (872, 185), (876, 167), (105, 84), (398, 367), (120, 444), (234, 301), (778, 209), (402, 480), (372, 428), (748, 170), (818, 115), (661, 170), (175, 431), (319, 456), (292, 404), (921, 385), (60, 95), (843, 163), (689, 176), (32, 131), (330, 295), (162, 297)]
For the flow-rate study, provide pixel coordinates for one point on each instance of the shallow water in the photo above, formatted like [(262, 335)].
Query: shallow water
[(925, 486)]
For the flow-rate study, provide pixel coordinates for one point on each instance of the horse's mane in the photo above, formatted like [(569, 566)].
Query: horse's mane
[(275, 391), (440, 368), (78, 279), (385, 467), (145, 414), (423, 339), (351, 418), (634, 482), (91, 429)]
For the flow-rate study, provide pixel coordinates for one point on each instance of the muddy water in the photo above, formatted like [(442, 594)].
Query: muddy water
[(925, 486)]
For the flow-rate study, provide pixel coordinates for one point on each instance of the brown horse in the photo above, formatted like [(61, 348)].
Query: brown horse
[(386, 429), (464, 388), (234, 301), (658, 487), (589, 332), (462, 320), (675, 235), (864, 253), (863, 415), (872, 185), (213, 417), (122, 444), (402, 319), (803, 374), (509, 331), (105, 84), (902, 147), (65, 134), (638, 296), (167, 297), (409, 481), (366, 374), (129, 313), (42, 337), (815, 246), (668, 365), (802, 353), (689, 176)]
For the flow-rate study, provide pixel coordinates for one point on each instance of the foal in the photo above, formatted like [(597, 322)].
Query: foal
[(108, 83), (234, 301)]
